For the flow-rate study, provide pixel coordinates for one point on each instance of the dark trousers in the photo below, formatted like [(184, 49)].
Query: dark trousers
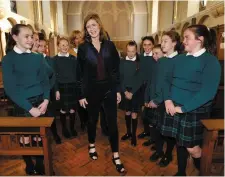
[(103, 121), (101, 95)]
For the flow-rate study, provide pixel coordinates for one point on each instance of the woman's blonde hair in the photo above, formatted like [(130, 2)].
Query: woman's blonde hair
[(73, 35), (93, 16)]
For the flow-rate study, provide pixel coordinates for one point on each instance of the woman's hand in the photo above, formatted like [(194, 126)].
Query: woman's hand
[(83, 102)]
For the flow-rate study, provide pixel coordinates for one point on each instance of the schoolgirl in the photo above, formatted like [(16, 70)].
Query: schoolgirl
[(65, 68), (192, 85), (26, 83), (131, 82)]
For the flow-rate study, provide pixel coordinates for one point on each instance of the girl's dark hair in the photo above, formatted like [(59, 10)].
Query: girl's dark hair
[(175, 38), (150, 38), (209, 36), (14, 31), (133, 43), (41, 36), (94, 16)]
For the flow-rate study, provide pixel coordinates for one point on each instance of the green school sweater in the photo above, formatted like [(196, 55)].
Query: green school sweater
[(25, 76), (151, 82), (65, 69), (130, 76), (51, 73), (163, 70), (193, 81), (146, 65)]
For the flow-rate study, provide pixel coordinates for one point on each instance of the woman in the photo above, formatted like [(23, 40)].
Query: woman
[(99, 83)]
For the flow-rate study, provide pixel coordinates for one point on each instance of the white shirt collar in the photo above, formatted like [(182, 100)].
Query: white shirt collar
[(131, 59), (197, 54), (172, 54), (17, 50), (44, 55), (150, 54), (63, 55), (75, 50)]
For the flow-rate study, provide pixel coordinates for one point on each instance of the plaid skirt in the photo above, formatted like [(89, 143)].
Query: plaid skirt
[(186, 128), (155, 116), (68, 96), (133, 105)]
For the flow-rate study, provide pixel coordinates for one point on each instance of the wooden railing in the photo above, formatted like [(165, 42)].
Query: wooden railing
[(13, 128), (213, 145)]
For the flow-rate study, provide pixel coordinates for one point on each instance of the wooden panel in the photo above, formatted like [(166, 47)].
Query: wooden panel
[(213, 124), (25, 122), (220, 41)]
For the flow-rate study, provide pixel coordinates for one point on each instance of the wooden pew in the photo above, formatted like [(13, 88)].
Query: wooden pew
[(12, 128), (210, 149)]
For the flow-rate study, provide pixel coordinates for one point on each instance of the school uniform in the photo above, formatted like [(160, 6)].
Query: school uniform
[(65, 69), (26, 83), (192, 85), (147, 64), (131, 81), (157, 97)]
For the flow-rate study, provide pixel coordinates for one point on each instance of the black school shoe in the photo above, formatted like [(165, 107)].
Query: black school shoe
[(154, 157), (148, 143), (126, 137), (165, 161), (143, 135)]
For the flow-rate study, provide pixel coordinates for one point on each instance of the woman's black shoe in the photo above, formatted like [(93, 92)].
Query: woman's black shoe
[(126, 137), (119, 167), (92, 154)]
